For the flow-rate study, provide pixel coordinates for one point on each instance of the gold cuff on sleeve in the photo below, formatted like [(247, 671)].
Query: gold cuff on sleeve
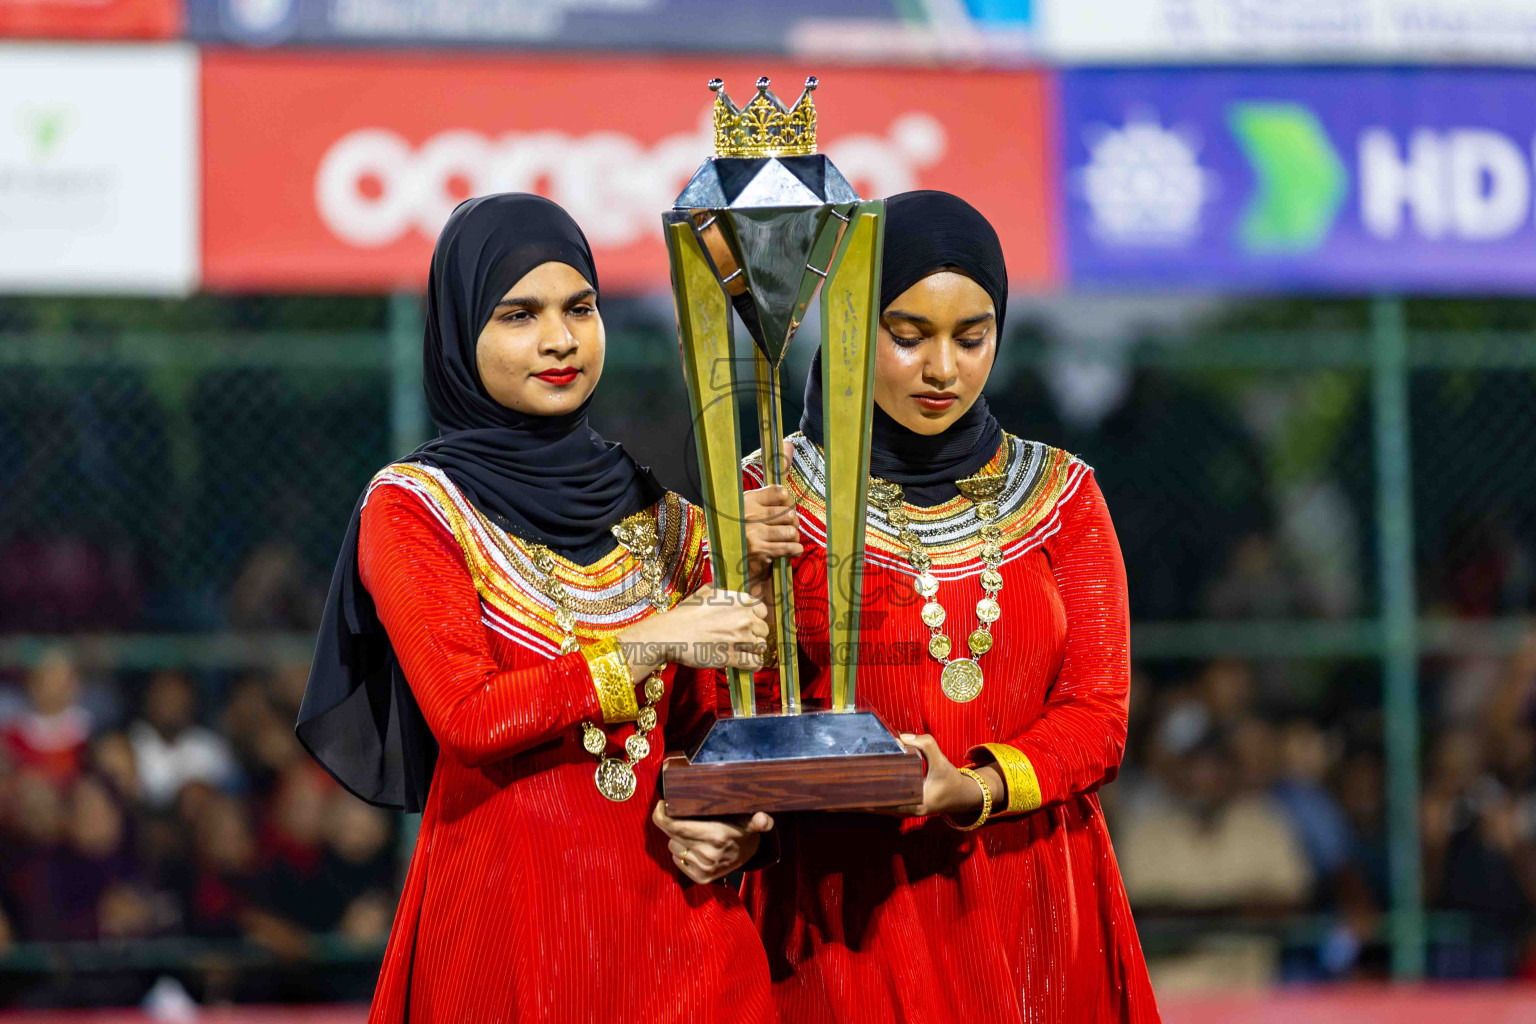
[(610, 676), (1018, 774)]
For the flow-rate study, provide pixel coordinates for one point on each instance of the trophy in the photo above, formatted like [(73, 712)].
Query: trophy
[(759, 227)]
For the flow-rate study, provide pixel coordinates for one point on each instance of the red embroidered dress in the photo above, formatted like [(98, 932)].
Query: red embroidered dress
[(531, 897), (873, 919)]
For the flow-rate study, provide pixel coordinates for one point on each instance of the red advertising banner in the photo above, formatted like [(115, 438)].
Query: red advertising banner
[(90, 19), (336, 171)]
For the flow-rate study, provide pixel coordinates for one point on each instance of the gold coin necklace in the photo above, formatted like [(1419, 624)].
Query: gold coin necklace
[(615, 776), (961, 679)]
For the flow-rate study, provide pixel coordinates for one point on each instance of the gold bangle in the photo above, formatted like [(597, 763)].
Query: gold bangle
[(986, 802)]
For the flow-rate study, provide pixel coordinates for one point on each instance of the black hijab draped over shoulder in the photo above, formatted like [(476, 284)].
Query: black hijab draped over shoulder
[(926, 232), (548, 479)]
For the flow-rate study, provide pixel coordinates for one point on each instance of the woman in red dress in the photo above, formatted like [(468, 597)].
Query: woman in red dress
[(508, 639), (995, 587)]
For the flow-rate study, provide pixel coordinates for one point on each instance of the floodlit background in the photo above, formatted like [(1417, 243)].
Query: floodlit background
[(1272, 265)]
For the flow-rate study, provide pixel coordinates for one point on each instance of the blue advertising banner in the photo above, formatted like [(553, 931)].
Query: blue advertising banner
[(574, 24), (1268, 180)]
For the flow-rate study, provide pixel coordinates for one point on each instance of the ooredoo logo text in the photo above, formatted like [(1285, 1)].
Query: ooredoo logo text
[(373, 187)]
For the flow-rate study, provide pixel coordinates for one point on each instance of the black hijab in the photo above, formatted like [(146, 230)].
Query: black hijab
[(549, 479), (926, 232)]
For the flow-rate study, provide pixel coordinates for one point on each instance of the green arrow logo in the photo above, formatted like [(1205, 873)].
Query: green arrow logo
[(1301, 179), (43, 128)]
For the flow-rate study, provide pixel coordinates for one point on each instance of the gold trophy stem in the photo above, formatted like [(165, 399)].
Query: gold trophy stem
[(704, 328), (850, 318), (770, 424)]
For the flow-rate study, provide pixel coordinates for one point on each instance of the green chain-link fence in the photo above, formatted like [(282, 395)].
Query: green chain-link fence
[(1328, 502)]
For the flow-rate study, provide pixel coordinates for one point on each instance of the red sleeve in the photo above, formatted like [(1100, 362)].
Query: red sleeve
[(1076, 744), (426, 600)]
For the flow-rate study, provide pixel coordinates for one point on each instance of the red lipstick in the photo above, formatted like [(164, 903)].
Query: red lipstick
[(560, 376), (936, 401)]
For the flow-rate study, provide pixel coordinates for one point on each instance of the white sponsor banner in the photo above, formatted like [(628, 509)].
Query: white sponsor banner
[(98, 169), (1087, 31)]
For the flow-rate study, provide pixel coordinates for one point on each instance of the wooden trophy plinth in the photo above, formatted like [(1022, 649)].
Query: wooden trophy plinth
[(812, 761)]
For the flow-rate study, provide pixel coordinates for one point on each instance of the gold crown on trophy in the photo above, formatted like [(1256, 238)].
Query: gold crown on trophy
[(764, 127)]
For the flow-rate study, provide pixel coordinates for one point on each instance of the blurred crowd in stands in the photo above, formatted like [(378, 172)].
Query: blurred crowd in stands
[(174, 806), (1239, 804)]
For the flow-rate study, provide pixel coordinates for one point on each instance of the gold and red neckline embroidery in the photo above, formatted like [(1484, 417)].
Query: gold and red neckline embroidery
[(605, 596), (1037, 478)]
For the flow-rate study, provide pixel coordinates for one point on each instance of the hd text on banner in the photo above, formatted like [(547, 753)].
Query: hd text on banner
[(1300, 179)]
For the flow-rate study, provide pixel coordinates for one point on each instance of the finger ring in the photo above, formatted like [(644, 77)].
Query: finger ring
[(683, 860)]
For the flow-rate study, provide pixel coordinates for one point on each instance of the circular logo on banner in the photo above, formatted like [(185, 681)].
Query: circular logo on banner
[(1144, 184)]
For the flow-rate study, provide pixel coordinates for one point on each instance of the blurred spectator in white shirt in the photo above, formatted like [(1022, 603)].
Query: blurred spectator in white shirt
[(171, 748), (1214, 844)]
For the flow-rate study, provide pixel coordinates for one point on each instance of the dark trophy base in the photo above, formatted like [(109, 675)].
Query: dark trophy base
[(813, 761)]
